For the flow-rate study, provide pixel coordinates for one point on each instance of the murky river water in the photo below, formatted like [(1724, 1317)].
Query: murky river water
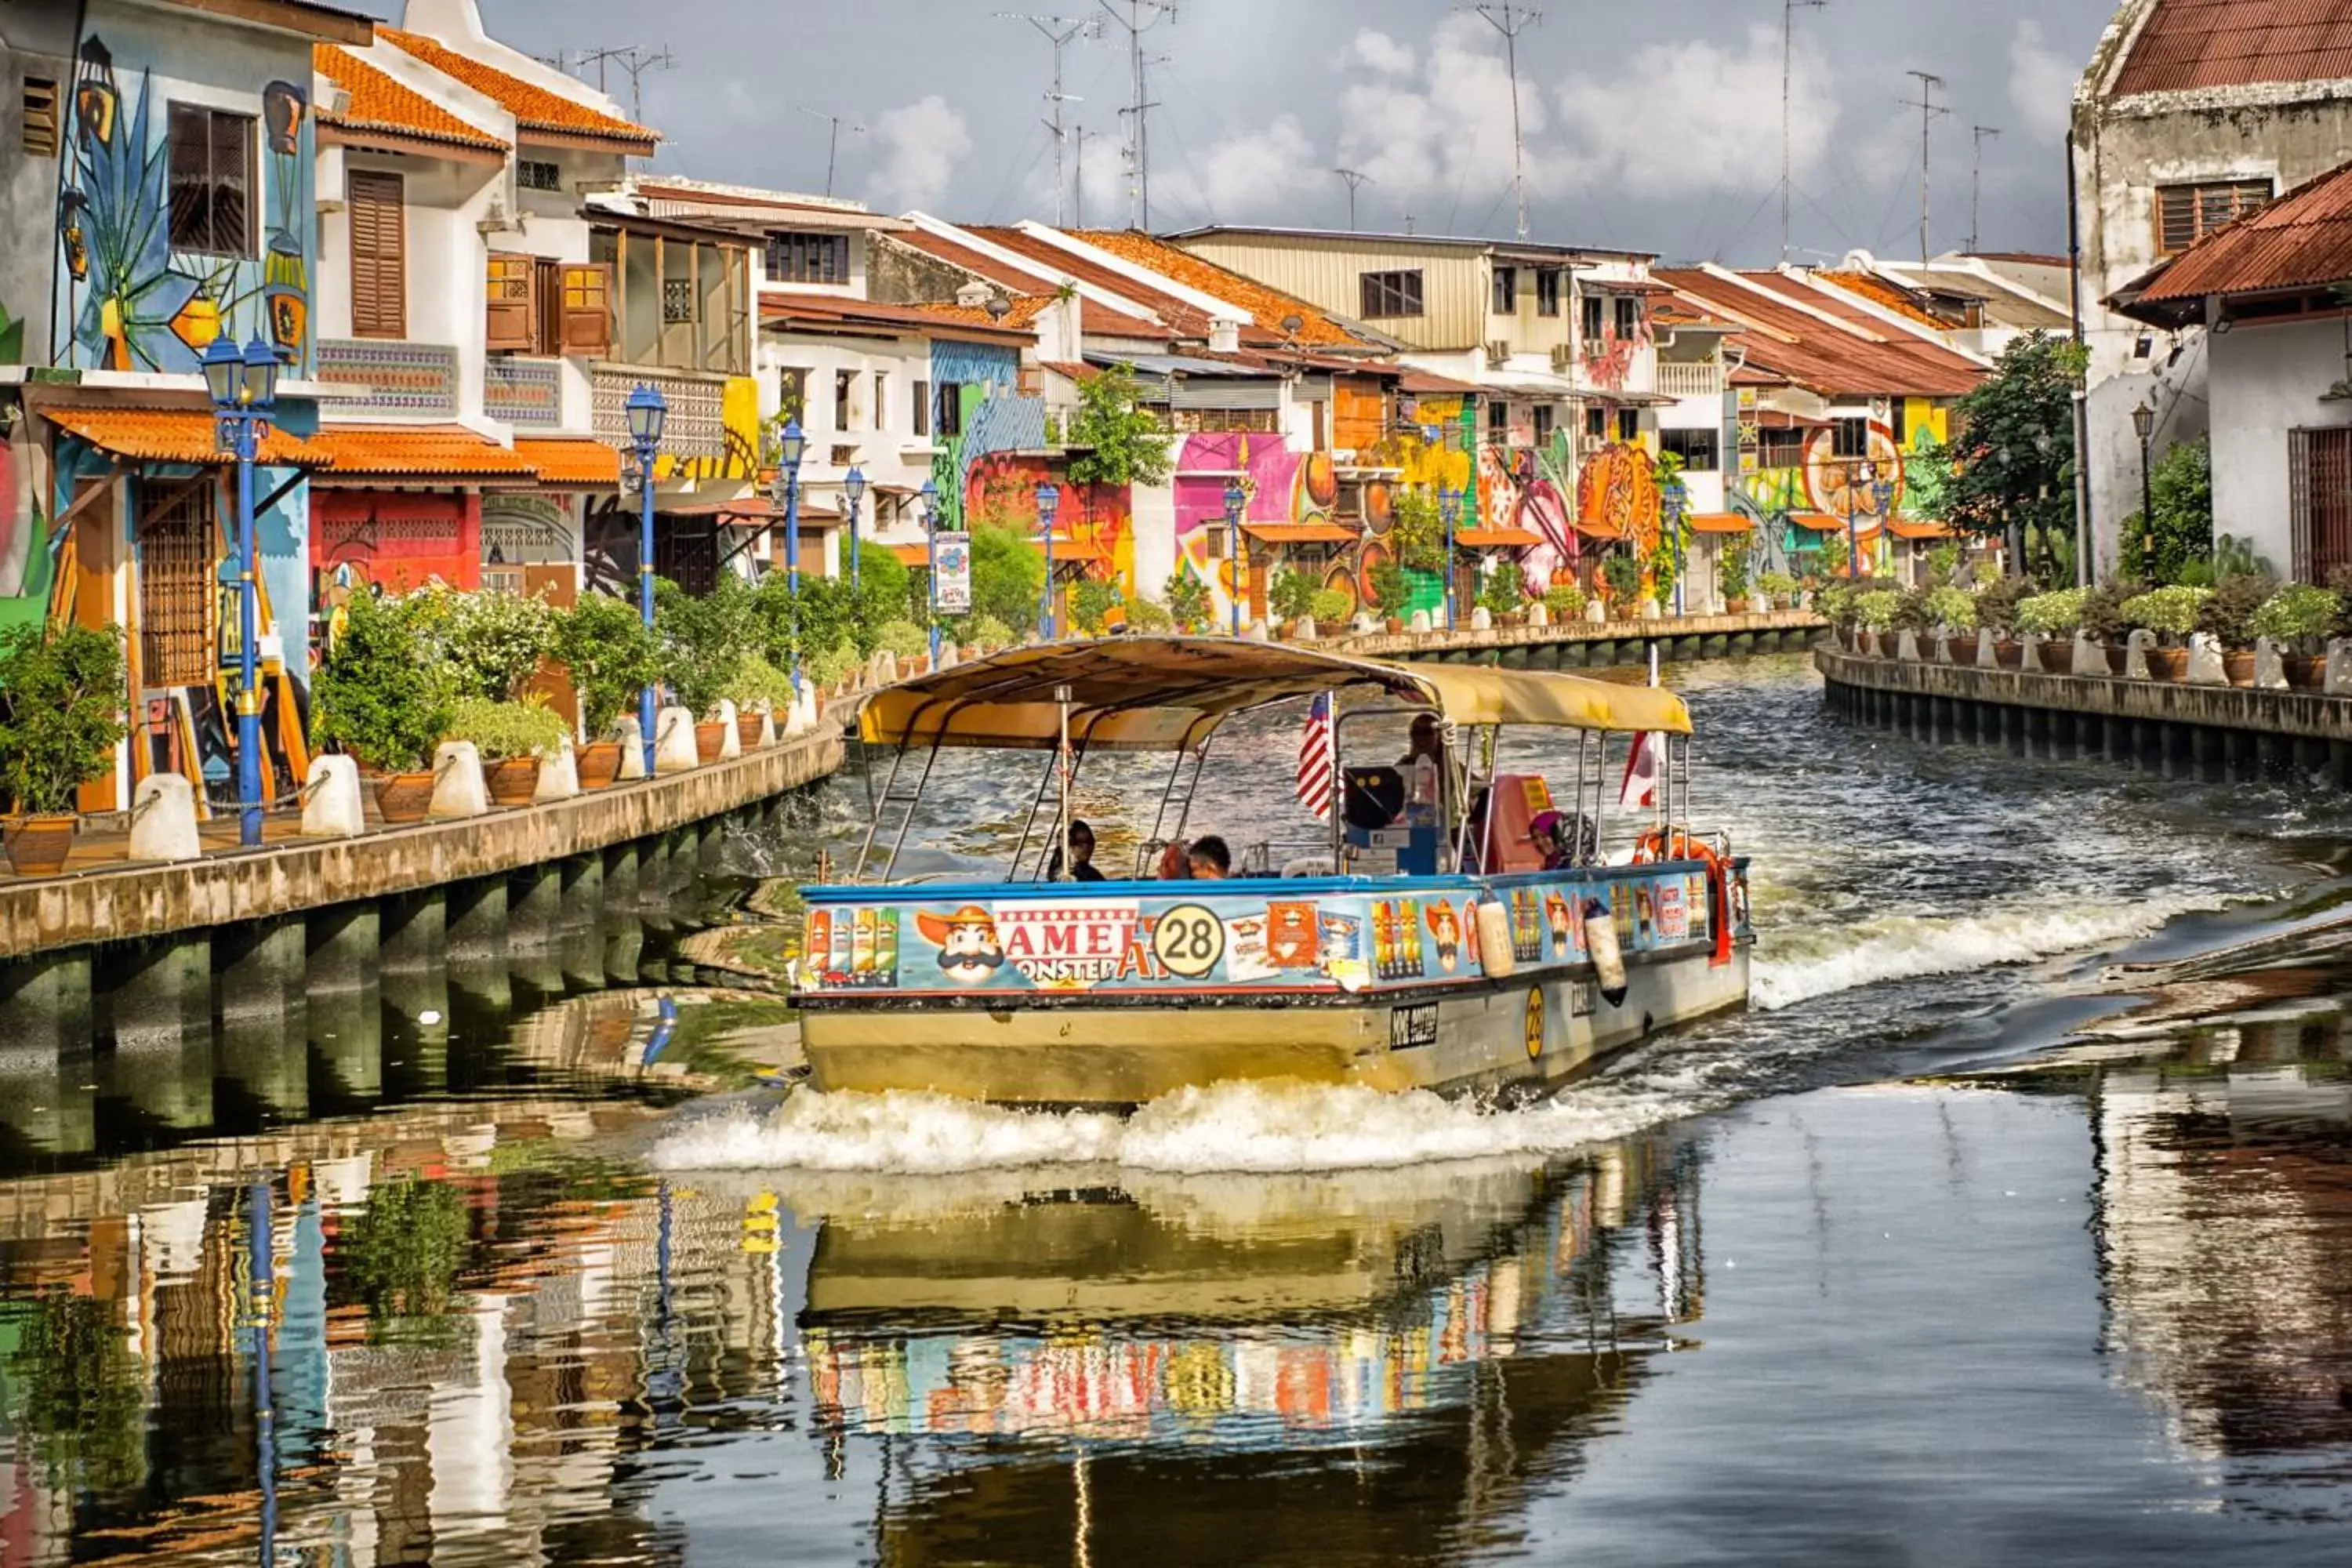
[(1948, 1252)]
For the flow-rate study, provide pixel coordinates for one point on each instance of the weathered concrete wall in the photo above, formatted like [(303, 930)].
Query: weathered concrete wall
[(152, 901), (2304, 714), (2264, 381), (1686, 637)]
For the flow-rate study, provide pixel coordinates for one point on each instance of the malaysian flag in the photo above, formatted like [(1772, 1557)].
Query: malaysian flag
[(1318, 774)]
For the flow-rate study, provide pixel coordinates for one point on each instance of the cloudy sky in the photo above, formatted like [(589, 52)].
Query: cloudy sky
[(1655, 125)]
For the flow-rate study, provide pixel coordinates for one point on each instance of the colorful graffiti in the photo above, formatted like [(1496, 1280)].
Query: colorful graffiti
[(1097, 521), (738, 459), (1609, 360), (1825, 485), (135, 302), (991, 417), (27, 563), (1617, 496)]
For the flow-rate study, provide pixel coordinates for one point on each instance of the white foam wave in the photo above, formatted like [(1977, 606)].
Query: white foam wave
[(1911, 947), (1236, 1128)]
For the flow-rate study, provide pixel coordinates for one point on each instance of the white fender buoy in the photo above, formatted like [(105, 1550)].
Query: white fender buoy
[(1600, 941), (1494, 952)]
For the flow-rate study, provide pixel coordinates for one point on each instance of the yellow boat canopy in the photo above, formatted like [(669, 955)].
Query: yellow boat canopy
[(1170, 693)]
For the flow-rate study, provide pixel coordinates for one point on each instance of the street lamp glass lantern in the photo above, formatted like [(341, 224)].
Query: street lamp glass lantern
[(930, 497), (854, 487), (224, 372), (792, 445), (1049, 501), (2144, 422), (259, 378), (1236, 497), (649, 412), (1449, 503)]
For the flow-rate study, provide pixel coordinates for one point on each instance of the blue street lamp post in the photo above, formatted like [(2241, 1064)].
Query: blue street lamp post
[(1449, 508), (790, 448), (649, 412), (1049, 506), (929, 497), (1236, 499), (853, 492), (1883, 492), (243, 389), (1677, 502)]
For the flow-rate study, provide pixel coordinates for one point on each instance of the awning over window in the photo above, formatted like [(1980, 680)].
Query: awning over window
[(1720, 522), (1497, 538), (1300, 532), (176, 436), (570, 463)]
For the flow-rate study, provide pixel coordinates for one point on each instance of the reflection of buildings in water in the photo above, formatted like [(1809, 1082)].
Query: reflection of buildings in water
[(2224, 1208)]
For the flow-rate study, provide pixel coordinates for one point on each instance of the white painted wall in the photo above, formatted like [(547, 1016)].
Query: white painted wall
[(2264, 381), (893, 453)]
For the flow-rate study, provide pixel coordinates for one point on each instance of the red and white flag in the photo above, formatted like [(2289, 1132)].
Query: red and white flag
[(1318, 775), (1640, 791)]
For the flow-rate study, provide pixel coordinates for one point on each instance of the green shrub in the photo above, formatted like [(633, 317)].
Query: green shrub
[(1503, 592), (1148, 615), (377, 697), (702, 639), (884, 589), (1392, 589), (503, 729), (2169, 611), (1328, 607), (1732, 573), (1188, 601), (1564, 601), (61, 695), (1836, 602), (1943, 564), (759, 685), (494, 643), (988, 633), (604, 643), (2052, 615), (1091, 604), (2297, 613), (2102, 619), (1997, 600), (1291, 594), (1008, 576), (1624, 575), (903, 640), (1779, 584), (834, 664), (1953, 609), (1874, 609), (2229, 613)]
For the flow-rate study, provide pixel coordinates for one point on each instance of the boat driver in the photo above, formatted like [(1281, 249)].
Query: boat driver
[(1082, 856), (1212, 861)]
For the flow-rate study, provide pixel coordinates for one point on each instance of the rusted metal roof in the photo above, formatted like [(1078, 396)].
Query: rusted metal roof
[(1852, 354), (2302, 240), (2187, 44)]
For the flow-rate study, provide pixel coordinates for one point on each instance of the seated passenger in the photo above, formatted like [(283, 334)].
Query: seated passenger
[(1082, 856), (1175, 864), (1210, 860)]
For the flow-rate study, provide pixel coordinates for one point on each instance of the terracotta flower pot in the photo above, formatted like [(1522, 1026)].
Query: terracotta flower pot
[(1735, 606), (403, 797), (2009, 653), (2167, 663), (709, 740), (1395, 625), (2116, 659), (38, 846), (2304, 671), (2239, 667), (513, 780), (599, 764), (747, 729)]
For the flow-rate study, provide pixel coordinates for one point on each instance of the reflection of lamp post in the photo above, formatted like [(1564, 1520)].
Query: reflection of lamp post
[(1049, 505), (853, 491), (930, 497), (1236, 499), (2144, 427), (790, 448), (1677, 501), (243, 388), (1449, 507), (647, 414)]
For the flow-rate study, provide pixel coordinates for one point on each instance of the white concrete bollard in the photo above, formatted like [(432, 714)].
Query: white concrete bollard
[(331, 805), (731, 746), (1257, 632), (1988, 650), (2136, 648), (1482, 619), (883, 669), (2338, 678), (1305, 630), (949, 655), (458, 787), (1539, 614), (1596, 612), (163, 819), (1907, 645), (1943, 654), (2090, 657), (1366, 626), (674, 750), (2270, 666), (558, 776), (2205, 666), (2029, 659), (632, 736), (1419, 624), (767, 728)]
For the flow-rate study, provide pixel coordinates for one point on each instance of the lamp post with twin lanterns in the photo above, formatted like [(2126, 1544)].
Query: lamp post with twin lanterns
[(649, 412), (243, 385), (853, 491), (785, 492), (929, 497), (1049, 506), (1236, 499)]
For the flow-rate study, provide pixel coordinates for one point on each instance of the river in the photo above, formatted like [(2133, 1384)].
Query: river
[(2013, 1224)]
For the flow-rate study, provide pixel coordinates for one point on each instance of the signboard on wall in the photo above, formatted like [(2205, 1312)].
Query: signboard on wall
[(951, 582)]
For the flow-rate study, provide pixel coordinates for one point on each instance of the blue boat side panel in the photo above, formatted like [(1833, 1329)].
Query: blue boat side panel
[(1306, 936)]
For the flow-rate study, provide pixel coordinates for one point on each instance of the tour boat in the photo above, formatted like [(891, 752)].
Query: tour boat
[(1419, 942)]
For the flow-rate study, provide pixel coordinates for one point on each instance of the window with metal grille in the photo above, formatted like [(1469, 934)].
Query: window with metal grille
[(2319, 487), (808, 257), (2187, 213), (40, 117), (1699, 449), (1592, 314), (1849, 437), (176, 591), (1629, 424), (210, 160), (538, 174), (1391, 294), (1547, 290), (1545, 414), (1629, 317), (1782, 448)]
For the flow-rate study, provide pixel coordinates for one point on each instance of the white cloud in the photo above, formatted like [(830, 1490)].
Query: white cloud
[(1723, 130), (1377, 51), (920, 145), (2041, 83), (1255, 174), (1439, 126)]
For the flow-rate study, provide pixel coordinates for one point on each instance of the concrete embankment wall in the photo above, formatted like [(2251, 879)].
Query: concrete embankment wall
[(1585, 644)]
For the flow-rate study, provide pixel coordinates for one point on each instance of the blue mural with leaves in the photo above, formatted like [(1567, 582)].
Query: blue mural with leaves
[(995, 417)]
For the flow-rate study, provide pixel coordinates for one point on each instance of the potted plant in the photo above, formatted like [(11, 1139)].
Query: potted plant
[(2298, 618), (1564, 601), (1389, 590), (1623, 576), (1875, 612), (2169, 613), (1188, 601), (1778, 589), (61, 694), (610, 655), (1291, 596), (513, 738), (2228, 615), (379, 699), (2053, 615), (1997, 603), (1951, 609), (759, 689), (702, 639), (1504, 594), (1330, 608), (2103, 621), (492, 644), (1731, 576)]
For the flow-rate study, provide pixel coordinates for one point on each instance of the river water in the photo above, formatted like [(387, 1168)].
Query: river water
[(2013, 1224)]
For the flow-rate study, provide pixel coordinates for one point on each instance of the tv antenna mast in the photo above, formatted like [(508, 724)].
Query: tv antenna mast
[(1079, 135), (1976, 180), (833, 143), (1510, 19), (1789, 9), (1142, 16), (1060, 32), (1928, 109), (1354, 177), (632, 59)]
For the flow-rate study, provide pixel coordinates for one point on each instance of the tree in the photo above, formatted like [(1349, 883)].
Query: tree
[(2011, 460), (1008, 578), (1113, 441), (2180, 544)]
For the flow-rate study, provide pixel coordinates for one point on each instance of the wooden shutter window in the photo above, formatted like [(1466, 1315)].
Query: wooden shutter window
[(513, 310), (588, 310), (378, 209), (40, 117)]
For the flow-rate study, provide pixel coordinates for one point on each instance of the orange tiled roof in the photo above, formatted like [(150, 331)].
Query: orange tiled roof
[(438, 451), (176, 436), (379, 102), (1024, 311), (1267, 307), (534, 108), (570, 461)]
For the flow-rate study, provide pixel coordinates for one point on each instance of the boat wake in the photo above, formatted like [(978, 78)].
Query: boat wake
[(1236, 1128)]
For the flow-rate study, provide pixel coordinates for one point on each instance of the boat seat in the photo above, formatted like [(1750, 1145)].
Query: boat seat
[(1514, 803)]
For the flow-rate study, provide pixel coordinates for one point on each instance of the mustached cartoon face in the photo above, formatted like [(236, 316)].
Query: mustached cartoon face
[(969, 952)]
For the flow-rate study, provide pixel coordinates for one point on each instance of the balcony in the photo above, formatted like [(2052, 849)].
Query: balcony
[(1703, 379), (387, 377)]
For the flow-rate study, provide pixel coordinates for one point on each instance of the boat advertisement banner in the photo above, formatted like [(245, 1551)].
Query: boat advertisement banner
[(1187, 939)]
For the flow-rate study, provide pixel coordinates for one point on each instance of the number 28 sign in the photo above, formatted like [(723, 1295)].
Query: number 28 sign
[(1188, 941)]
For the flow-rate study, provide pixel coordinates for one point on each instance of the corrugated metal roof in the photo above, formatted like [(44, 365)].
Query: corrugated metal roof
[(2187, 44), (2302, 240), (1868, 358)]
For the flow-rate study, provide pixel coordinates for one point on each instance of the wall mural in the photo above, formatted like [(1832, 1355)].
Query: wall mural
[(1826, 485), (27, 553), (1002, 489), (992, 418), (738, 458), (132, 301), (1609, 360)]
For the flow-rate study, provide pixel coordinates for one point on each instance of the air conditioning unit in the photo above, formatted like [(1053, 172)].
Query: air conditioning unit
[(1588, 445), (1563, 357), (1498, 354)]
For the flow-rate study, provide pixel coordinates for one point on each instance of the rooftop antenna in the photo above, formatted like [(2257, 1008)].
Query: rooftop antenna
[(832, 144), (1060, 32), (1078, 183), (1510, 19), (1927, 106), (632, 59), (1789, 9), (1142, 16), (1976, 180), (1354, 177)]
